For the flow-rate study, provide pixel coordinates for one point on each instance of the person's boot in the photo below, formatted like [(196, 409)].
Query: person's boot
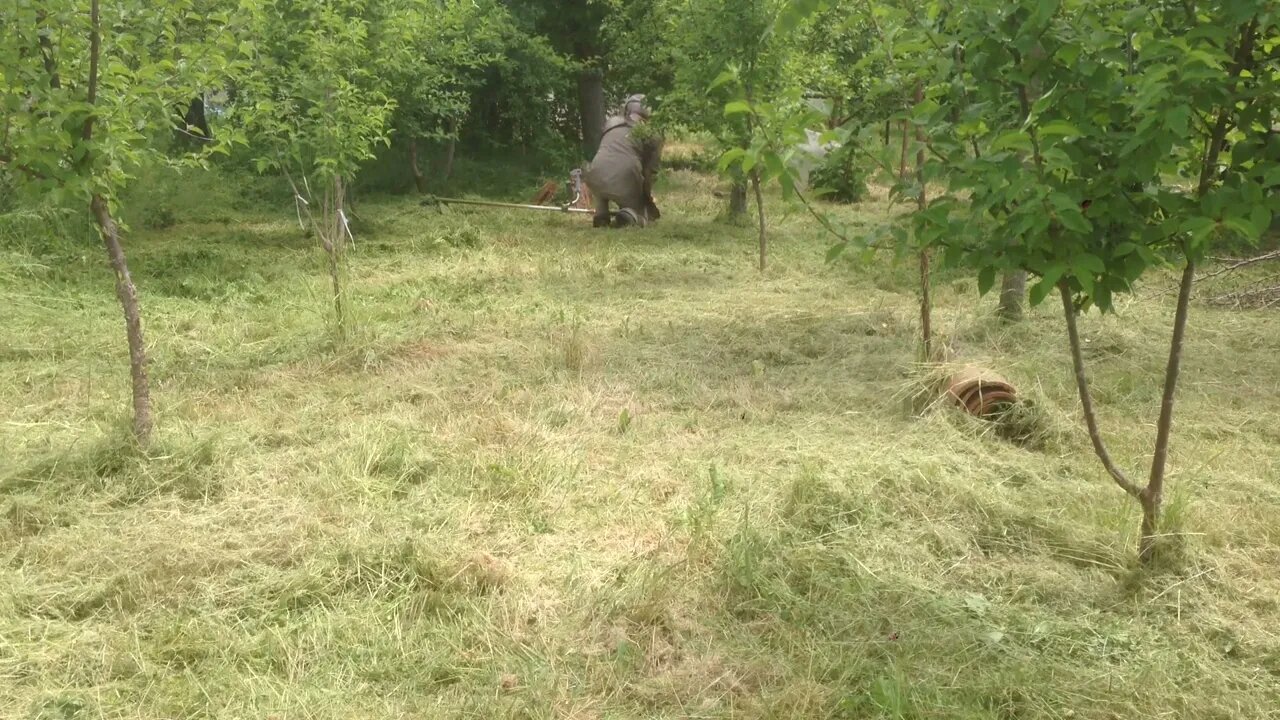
[(602, 215), (626, 218), (651, 209)]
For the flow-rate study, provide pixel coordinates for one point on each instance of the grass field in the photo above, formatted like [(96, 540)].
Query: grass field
[(564, 473)]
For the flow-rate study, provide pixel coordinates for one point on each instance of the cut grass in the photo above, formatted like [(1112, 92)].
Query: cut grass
[(565, 473)]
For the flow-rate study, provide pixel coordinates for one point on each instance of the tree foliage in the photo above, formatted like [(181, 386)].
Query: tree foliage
[(65, 146), (640, 49), (1085, 143), (711, 35), (441, 51), (86, 94), (316, 100)]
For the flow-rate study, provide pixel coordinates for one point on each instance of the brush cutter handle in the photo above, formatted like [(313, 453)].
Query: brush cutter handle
[(513, 206)]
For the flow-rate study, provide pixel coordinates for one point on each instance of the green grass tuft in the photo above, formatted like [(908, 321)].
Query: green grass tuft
[(116, 468)]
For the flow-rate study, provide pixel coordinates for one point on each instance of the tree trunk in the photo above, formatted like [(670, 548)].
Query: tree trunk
[(450, 150), (906, 146), (764, 241), (419, 181), (738, 200), (126, 291), (926, 306), (1086, 397), (333, 238), (591, 110), (1153, 496), (1013, 290), (922, 202), (128, 296)]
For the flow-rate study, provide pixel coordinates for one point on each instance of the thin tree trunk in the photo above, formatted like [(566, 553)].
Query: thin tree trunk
[(926, 306), (738, 200), (906, 143), (922, 202), (1013, 290), (1086, 397), (764, 242), (591, 111), (127, 293), (333, 237), (95, 52), (419, 181), (1153, 496)]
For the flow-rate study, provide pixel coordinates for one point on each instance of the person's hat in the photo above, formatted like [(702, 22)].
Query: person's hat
[(635, 105)]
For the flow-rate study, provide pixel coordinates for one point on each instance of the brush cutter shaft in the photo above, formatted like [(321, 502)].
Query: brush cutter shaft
[(516, 206)]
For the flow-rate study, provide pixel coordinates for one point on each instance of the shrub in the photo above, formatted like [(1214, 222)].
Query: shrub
[(840, 176)]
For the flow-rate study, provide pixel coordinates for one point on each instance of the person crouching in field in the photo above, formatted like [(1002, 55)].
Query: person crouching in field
[(624, 168)]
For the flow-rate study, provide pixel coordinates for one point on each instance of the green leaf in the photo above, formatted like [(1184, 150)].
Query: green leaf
[(722, 78), (952, 256), (737, 107), (1198, 227), (1134, 266), (1177, 120), (1242, 226), (1039, 292), (986, 280), (1075, 221), (730, 156), (1012, 140), (923, 111), (1085, 278), (1272, 178), (1260, 217), (1053, 274), (836, 251), (788, 185), (1059, 128), (1090, 263), (795, 12), (774, 163), (1048, 280), (1102, 297)]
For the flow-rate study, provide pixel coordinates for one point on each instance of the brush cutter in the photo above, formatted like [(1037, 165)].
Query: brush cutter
[(579, 205)]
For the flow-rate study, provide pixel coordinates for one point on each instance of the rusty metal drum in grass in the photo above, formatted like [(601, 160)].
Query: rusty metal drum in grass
[(981, 393)]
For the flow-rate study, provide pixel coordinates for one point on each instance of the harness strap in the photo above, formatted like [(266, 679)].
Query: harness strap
[(613, 127)]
